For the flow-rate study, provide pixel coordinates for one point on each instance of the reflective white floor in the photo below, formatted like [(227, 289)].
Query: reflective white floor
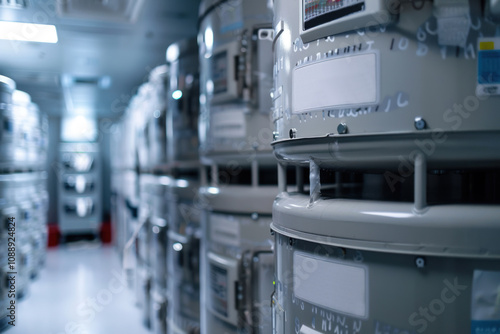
[(81, 290)]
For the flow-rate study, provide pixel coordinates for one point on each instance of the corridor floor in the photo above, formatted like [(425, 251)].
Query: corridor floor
[(81, 290)]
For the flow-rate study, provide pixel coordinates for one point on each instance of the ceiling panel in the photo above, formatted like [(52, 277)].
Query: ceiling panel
[(94, 45)]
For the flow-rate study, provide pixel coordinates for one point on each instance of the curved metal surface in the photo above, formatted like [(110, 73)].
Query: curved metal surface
[(419, 85), (235, 78), (444, 230)]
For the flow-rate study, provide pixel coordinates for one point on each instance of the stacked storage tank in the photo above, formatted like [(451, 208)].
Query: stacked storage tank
[(79, 188), (158, 253), (184, 232), (151, 153), (391, 107), (23, 193), (239, 173), (126, 186)]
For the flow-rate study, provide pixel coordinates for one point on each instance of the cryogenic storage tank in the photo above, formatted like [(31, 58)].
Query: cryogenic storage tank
[(390, 109), (235, 79), (41, 207), (8, 209), (158, 254), (17, 134), (131, 227), (142, 247), (25, 222), (183, 248), (238, 179), (183, 103), (7, 87), (141, 114), (354, 76), (156, 127), (183, 257)]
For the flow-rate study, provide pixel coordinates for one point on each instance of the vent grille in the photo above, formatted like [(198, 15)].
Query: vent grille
[(16, 4)]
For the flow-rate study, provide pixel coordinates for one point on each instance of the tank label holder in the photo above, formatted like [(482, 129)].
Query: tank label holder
[(485, 308), (344, 81), (224, 230), (488, 67), (228, 122), (334, 285)]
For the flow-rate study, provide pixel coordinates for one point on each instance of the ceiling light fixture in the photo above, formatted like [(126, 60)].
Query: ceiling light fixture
[(28, 32)]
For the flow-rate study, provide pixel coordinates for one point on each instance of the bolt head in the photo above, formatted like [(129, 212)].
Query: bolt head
[(275, 135), (293, 133), (420, 123), (342, 128), (420, 262)]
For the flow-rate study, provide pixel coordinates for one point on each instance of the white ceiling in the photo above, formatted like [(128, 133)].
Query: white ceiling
[(91, 46)]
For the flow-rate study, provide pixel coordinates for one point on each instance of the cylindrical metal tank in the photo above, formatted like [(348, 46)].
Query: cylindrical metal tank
[(239, 174), (8, 210), (183, 102), (141, 114), (183, 252), (390, 75), (24, 222), (158, 249), (41, 205), (131, 203), (156, 127), (32, 130), (183, 257), (7, 87), (16, 134), (38, 231), (143, 244), (235, 77), (390, 109)]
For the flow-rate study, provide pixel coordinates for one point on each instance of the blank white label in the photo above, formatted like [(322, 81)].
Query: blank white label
[(337, 286), (228, 123), (341, 82), (224, 230)]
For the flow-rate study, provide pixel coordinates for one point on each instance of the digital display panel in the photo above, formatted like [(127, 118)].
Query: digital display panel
[(318, 12)]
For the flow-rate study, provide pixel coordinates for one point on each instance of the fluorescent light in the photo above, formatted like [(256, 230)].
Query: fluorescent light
[(28, 32)]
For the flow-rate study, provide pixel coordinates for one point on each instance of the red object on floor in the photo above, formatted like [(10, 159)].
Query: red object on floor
[(106, 232), (54, 235)]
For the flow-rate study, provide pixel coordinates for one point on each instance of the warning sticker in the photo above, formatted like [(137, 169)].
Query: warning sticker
[(488, 69), (485, 308)]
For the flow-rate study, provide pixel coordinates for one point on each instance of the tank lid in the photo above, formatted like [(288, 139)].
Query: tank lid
[(21, 98), (243, 199), (443, 230), (7, 84)]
